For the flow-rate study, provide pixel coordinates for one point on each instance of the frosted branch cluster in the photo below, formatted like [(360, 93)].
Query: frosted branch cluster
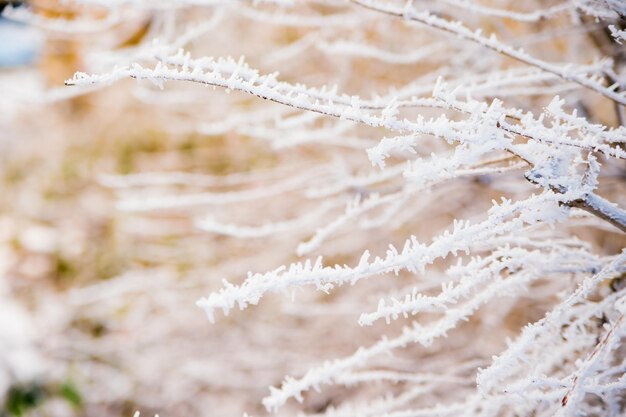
[(468, 108)]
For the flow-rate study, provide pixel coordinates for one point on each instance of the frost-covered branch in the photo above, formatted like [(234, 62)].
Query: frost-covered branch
[(376, 152), (566, 73)]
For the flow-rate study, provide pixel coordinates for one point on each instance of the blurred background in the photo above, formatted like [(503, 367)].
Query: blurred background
[(97, 303), (97, 307)]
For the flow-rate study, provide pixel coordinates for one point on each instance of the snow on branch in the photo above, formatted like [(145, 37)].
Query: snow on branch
[(567, 73), (619, 35), (503, 218), (507, 363), (383, 161)]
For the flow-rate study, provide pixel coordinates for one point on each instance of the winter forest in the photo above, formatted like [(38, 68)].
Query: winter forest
[(314, 208)]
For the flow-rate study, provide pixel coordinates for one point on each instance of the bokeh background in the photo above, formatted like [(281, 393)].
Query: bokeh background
[(97, 304)]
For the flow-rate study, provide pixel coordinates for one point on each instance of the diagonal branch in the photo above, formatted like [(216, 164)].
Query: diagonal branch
[(565, 72), (603, 209)]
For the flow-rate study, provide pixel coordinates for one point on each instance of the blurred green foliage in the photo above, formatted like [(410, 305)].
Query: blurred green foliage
[(23, 399)]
